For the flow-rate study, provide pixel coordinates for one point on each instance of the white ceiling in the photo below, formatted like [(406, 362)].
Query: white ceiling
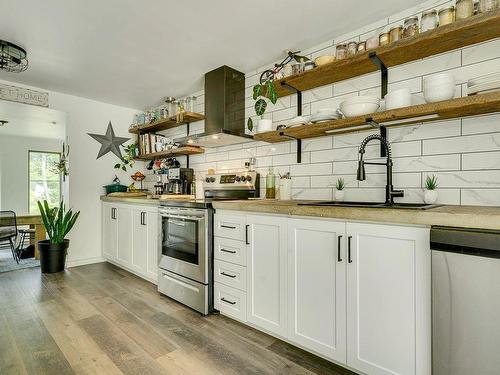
[(32, 121), (133, 53)]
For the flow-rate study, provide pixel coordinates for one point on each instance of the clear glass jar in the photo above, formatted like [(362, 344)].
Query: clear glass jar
[(429, 20), (361, 47), (372, 42), (351, 48), (270, 184), (395, 34), (446, 16), (383, 39), (170, 106), (487, 5), (464, 9), (341, 51), (411, 27), (190, 103)]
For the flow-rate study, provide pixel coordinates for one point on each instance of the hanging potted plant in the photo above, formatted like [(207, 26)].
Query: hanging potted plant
[(58, 222), (264, 91), (431, 195), (339, 189)]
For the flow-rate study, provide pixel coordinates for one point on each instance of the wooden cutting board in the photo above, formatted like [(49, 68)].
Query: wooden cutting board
[(128, 194), (176, 197)]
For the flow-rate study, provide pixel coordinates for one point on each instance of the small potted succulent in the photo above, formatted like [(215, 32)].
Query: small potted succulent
[(431, 195), (58, 222), (339, 189)]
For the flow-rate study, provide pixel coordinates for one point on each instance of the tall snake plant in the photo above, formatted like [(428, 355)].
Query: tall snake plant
[(58, 222)]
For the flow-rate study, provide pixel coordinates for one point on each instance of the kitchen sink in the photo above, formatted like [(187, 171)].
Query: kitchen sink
[(411, 206)]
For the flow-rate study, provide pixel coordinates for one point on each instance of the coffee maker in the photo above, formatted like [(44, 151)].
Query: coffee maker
[(179, 181)]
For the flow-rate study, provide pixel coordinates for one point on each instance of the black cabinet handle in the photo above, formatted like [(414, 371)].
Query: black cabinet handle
[(227, 226), (228, 275), (113, 213), (228, 251), (225, 300), (349, 259), (246, 234), (143, 218), (339, 259)]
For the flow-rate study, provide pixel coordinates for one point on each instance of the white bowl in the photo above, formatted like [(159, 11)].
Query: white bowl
[(438, 94), (358, 109), (362, 99), (398, 99)]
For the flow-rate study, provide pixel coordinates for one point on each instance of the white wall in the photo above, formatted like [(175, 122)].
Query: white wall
[(88, 175), (14, 169), (464, 153)]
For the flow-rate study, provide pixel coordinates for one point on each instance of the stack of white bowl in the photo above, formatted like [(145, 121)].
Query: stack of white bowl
[(325, 114), (439, 87), (359, 105)]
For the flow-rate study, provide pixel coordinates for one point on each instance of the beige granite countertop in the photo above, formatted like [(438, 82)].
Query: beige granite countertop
[(447, 215), (131, 200)]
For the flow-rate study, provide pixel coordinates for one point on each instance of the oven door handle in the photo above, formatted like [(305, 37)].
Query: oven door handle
[(196, 218)]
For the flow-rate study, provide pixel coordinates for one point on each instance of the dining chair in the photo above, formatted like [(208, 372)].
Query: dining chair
[(8, 231)]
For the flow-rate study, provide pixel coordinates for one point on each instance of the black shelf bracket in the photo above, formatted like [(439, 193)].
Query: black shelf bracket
[(299, 113), (383, 71), (383, 133), (299, 145), (187, 135)]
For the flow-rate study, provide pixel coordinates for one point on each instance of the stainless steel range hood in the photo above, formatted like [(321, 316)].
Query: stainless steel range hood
[(224, 109)]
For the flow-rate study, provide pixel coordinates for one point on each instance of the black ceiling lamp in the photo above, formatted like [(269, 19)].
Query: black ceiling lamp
[(12, 57)]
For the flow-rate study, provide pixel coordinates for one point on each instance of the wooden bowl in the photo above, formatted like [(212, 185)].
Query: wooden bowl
[(324, 60)]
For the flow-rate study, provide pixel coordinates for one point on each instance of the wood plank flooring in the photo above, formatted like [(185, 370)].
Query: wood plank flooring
[(100, 319)]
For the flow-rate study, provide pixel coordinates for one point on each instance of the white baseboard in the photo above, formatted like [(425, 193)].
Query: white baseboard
[(153, 281), (82, 262)]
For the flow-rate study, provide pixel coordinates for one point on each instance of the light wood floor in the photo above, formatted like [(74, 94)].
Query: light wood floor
[(99, 319)]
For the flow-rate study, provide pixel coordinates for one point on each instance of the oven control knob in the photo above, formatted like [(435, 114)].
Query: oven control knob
[(207, 179), (237, 179), (212, 179), (249, 178)]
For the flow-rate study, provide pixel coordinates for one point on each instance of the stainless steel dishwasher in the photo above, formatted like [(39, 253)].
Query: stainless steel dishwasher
[(465, 301)]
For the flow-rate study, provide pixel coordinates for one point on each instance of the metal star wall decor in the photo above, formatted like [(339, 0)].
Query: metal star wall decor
[(109, 142)]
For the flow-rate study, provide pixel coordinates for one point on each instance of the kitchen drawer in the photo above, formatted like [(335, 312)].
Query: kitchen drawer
[(231, 251), (231, 302), (230, 274), (230, 226)]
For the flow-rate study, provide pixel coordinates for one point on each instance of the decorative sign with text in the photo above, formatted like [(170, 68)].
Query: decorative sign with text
[(22, 95)]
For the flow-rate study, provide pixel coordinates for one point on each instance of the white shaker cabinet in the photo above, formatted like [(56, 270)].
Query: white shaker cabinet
[(388, 299), (317, 286), (109, 232), (124, 241), (145, 241), (267, 272)]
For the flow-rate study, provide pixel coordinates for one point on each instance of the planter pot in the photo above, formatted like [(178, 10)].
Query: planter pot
[(264, 125), (430, 196), (339, 195), (52, 256)]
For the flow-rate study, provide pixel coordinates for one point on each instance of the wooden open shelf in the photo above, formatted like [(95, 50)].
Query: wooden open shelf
[(185, 150), (448, 109), (167, 123), (459, 34)]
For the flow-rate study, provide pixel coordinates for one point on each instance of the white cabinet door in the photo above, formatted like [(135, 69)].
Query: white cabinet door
[(145, 242), (267, 272), (124, 228), (388, 299), (109, 232), (317, 286)]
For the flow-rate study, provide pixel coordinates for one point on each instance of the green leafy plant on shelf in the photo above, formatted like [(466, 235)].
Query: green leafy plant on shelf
[(57, 221), (340, 184), (128, 159), (431, 182), (262, 92)]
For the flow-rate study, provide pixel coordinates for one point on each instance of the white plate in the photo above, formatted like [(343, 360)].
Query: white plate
[(324, 118)]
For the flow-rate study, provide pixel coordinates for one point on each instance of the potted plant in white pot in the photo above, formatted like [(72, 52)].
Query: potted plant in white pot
[(262, 92), (339, 189), (431, 195), (58, 222)]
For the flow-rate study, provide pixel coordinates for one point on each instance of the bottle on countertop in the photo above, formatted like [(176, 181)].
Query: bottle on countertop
[(270, 184)]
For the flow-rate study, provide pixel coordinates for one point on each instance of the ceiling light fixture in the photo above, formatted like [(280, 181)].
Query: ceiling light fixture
[(3, 122), (12, 57)]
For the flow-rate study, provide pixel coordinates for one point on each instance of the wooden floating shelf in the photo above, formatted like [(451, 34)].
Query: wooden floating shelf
[(455, 108), (167, 123), (459, 34), (185, 150)]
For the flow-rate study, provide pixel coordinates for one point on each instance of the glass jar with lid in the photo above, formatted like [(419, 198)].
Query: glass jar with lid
[(429, 20), (190, 103), (446, 16), (351, 48), (487, 5), (170, 106), (410, 27), (361, 47), (341, 51), (464, 9), (395, 34), (383, 39)]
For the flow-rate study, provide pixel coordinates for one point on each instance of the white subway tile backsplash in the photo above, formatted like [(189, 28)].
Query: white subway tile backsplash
[(480, 197), (481, 52), (469, 143), (427, 163), (485, 178), (481, 160), (482, 124), (311, 169), (314, 194)]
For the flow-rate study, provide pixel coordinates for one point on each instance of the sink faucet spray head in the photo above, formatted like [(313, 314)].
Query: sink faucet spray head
[(361, 174)]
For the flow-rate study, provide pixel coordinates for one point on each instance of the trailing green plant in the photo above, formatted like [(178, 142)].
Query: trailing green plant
[(431, 182), (340, 184), (128, 159), (57, 220)]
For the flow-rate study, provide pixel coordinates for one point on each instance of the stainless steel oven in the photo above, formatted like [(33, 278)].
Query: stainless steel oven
[(186, 260)]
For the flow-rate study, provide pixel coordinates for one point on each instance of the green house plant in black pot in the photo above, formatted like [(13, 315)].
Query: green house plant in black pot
[(58, 222)]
